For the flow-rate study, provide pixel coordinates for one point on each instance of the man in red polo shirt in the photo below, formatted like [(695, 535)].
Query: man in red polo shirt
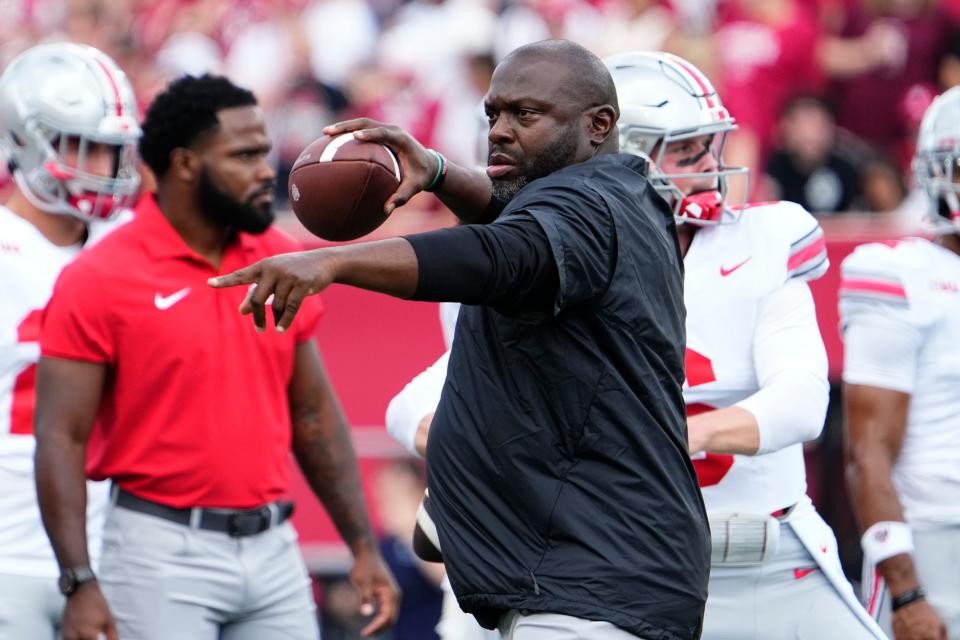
[(134, 376)]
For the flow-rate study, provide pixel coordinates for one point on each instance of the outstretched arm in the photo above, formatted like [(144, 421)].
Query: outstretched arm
[(509, 264), (324, 451), (388, 266)]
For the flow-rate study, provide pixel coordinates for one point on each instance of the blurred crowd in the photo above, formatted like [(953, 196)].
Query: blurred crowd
[(828, 93)]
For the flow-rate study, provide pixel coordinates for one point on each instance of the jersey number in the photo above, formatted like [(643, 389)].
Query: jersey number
[(710, 467)]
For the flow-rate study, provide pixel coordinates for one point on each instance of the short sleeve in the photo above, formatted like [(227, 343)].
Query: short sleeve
[(582, 236), (76, 322), (882, 327)]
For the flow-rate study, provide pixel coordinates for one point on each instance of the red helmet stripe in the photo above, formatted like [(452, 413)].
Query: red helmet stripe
[(113, 85), (700, 80)]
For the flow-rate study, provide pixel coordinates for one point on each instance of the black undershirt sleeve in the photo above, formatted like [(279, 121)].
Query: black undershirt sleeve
[(508, 265)]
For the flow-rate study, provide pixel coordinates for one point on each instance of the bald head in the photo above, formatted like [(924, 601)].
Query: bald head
[(585, 78), (550, 104)]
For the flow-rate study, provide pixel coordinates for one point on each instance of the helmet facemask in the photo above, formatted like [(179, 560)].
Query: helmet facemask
[(936, 165), (653, 145), (664, 100), (939, 174), (68, 131), (54, 172)]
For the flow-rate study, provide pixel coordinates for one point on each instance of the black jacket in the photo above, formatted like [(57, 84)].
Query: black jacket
[(558, 461)]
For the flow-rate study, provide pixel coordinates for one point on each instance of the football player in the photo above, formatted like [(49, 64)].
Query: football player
[(68, 132), (900, 313), (756, 366)]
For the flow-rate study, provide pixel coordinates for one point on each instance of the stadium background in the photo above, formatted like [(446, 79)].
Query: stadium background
[(828, 93)]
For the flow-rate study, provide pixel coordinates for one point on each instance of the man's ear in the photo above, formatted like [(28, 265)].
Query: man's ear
[(184, 164), (602, 124)]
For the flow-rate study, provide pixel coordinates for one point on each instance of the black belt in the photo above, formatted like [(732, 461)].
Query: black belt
[(236, 523)]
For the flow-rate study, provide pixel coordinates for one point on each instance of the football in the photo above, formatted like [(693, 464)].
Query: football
[(338, 186)]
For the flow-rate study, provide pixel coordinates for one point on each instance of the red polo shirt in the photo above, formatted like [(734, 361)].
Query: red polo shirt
[(194, 410)]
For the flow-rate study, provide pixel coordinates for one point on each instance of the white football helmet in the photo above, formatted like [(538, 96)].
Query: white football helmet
[(936, 164), (56, 101), (664, 99)]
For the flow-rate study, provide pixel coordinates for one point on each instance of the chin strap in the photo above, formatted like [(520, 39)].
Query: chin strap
[(706, 206)]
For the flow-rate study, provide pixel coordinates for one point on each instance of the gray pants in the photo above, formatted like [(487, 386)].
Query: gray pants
[(164, 580), (455, 624), (785, 598), (29, 607), (554, 626), (937, 560)]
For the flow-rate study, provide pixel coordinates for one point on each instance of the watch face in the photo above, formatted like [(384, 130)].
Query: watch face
[(67, 583), (71, 579)]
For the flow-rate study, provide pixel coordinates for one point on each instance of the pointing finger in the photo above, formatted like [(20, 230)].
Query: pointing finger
[(247, 275)]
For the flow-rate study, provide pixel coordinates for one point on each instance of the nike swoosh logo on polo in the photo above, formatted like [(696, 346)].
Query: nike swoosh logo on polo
[(725, 272), (165, 302), (800, 574)]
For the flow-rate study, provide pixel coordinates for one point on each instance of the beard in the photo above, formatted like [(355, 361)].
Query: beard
[(557, 155), (224, 209)]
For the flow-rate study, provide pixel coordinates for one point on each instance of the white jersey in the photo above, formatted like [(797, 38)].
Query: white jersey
[(900, 314), (29, 266), (753, 341)]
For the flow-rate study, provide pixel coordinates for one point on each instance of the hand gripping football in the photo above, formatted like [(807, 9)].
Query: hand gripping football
[(338, 186)]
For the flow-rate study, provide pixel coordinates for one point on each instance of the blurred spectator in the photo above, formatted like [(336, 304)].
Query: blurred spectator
[(399, 489), (460, 131), (425, 64), (808, 168), (189, 52), (266, 54), (426, 39), (911, 41), (632, 24), (884, 189), (342, 35), (526, 21), (764, 52)]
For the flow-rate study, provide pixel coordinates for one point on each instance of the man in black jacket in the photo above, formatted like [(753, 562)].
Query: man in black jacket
[(565, 502)]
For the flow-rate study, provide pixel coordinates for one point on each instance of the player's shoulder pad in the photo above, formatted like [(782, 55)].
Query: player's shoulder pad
[(879, 271), (792, 235)]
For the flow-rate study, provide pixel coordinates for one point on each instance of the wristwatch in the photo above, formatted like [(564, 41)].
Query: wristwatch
[(71, 579)]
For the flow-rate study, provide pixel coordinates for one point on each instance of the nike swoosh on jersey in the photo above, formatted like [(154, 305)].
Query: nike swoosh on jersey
[(165, 302), (725, 272), (800, 574)]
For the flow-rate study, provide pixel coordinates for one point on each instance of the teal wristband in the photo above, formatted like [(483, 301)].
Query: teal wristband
[(441, 173)]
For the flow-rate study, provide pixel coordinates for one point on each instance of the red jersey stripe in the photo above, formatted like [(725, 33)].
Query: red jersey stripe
[(872, 286), (810, 251)]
